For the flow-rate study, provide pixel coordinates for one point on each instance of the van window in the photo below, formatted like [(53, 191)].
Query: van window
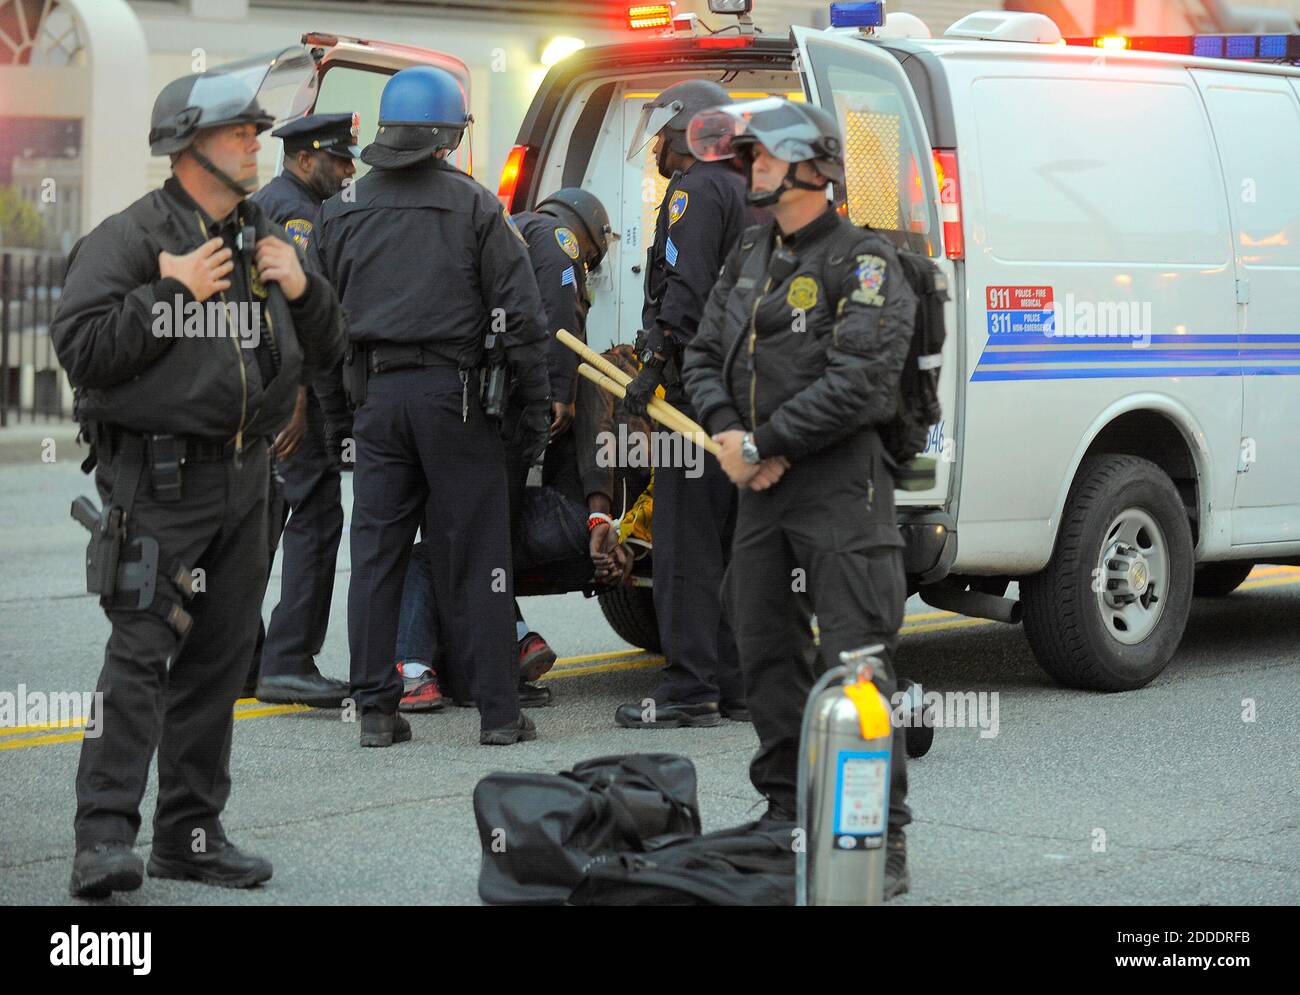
[(344, 89), (1258, 127), (1091, 170), (889, 169)]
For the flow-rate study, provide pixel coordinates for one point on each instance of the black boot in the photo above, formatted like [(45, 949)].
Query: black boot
[(103, 868), (379, 729), (222, 864), (521, 731), (897, 881)]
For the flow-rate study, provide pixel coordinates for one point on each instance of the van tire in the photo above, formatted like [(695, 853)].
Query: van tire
[(1218, 580), (630, 612), (1066, 622)]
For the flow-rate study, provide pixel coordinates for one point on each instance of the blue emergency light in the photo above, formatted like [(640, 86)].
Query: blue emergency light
[(858, 15), (1266, 48)]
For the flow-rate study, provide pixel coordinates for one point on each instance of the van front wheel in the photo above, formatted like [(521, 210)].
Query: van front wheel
[(1108, 611)]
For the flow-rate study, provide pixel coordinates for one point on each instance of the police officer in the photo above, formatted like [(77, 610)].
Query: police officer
[(187, 323), (307, 506), (796, 361), (700, 217), (428, 266), (568, 235)]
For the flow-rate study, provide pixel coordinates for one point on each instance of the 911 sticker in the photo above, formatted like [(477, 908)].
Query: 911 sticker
[(1019, 310)]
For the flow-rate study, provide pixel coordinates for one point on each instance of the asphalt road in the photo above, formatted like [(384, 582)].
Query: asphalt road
[(1163, 795)]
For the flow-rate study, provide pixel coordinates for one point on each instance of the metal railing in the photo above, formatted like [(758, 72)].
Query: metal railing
[(32, 383)]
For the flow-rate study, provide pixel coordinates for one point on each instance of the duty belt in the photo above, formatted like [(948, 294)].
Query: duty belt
[(384, 357)]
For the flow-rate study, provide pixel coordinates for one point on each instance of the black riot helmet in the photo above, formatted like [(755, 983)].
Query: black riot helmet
[(793, 132), (258, 91), (586, 215), (670, 113)]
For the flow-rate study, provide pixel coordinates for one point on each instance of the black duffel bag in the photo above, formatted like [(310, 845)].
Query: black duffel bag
[(746, 865), (540, 831)]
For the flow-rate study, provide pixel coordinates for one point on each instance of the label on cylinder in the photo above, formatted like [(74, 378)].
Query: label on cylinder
[(861, 799)]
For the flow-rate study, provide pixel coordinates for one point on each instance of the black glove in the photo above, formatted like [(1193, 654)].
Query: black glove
[(533, 431), (642, 389)]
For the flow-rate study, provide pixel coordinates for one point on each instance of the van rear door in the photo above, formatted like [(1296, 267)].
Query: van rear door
[(891, 184), (351, 73)]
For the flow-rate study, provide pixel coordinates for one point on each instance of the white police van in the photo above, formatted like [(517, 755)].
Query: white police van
[(1122, 240)]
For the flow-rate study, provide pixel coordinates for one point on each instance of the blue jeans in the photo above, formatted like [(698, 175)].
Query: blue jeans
[(553, 537)]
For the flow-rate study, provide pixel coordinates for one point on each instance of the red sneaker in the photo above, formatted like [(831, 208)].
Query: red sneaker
[(421, 694), (535, 657)]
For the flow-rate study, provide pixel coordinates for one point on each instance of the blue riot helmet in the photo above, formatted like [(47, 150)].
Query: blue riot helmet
[(422, 110)]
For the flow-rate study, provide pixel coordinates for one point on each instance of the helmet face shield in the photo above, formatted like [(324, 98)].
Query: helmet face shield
[(652, 121), (277, 87), (773, 122)]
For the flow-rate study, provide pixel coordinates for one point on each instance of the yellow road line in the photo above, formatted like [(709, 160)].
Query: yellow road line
[(632, 659), (19, 744), (42, 727)]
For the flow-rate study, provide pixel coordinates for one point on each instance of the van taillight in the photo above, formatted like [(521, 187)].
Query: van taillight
[(511, 174), (945, 170)]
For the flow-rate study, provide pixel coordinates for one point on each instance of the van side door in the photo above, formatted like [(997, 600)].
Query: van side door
[(1256, 120)]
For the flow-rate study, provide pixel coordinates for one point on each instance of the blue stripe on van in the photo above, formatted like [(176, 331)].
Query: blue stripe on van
[(1125, 356), (1097, 374)]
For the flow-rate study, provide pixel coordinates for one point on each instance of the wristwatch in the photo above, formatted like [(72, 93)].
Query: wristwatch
[(749, 451)]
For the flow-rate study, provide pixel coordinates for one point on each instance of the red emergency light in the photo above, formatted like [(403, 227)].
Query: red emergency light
[(650, 15), (945, 168), (511, 174)]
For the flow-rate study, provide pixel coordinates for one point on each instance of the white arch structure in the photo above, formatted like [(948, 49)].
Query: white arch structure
[(104, 86)]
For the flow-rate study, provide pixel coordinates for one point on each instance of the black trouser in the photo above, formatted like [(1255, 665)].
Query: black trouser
[(822, 541), (694, 517), (311, 499), (419, 458), (174, 695)]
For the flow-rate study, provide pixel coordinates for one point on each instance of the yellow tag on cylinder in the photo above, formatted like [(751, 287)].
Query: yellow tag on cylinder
[(873, 714)]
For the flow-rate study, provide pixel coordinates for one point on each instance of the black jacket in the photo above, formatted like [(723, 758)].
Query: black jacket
[(562, 282), (106, 329), (808, 358), (701, 216), (426, 255)]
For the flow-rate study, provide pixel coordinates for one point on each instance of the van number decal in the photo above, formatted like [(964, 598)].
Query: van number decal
[(1019, 310)]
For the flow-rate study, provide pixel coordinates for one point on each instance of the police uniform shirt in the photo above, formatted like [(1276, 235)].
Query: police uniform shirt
[(288, 201), (562, 280), (700, 218)]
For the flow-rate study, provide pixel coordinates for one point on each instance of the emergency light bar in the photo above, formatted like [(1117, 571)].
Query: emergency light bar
[(1266, 48), (858, 15), (650, 15)]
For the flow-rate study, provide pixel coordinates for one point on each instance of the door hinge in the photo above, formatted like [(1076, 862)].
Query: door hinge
[(1243, 291)]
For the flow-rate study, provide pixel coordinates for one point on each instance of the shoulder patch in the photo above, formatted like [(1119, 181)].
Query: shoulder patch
[(300, 230), (870, 273), (567, 241), (677, 206)]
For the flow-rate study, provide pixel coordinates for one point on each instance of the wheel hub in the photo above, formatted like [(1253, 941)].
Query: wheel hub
[(1128, 574), (1133, 567)]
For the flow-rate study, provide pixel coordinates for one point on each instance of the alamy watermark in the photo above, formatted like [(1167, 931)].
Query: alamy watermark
[(642, 450), (52, 709), (212, 319), (1073, 318), (947, 710)]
